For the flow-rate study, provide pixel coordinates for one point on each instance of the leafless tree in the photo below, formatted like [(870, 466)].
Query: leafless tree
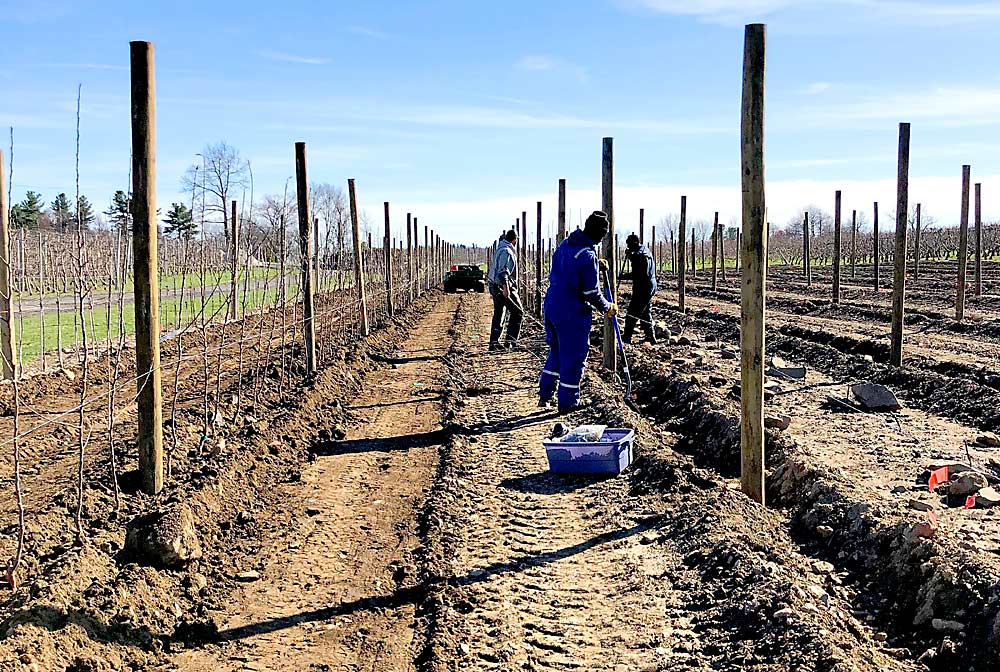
[(225, 174)]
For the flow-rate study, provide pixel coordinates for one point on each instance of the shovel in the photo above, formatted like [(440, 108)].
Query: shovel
[(621, 346)]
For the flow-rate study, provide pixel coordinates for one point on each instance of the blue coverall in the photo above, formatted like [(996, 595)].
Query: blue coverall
[(574, 290)]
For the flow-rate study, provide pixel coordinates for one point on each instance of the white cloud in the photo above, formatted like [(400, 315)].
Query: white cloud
[(487, 117), (733, 12), (368, 32), (816, 88), (939, 196), (943, 105), (293, 58), (535, 63), (541, 63)]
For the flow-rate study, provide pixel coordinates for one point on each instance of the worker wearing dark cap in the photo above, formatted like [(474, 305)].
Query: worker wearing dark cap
[(574, 291), (643, 277)]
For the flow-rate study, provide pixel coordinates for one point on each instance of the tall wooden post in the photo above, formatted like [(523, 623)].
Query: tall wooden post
[(147, 301), (854, 243), (673, 253), (561, 222), (359, 268), (390, 309), (315, 251), (427, 258), (875, 247), (722, 250), (681, 254), (752, 313), (409, 256), (694, 254), (522, 256), (234, 266), (715, 253), (806, 269), (963, 244), (305, 221), (642, 216), (916, 248), (608, 342), (979, 239), (7, 347), (836, 247), (655, 253), (538, 263), (899, 258)]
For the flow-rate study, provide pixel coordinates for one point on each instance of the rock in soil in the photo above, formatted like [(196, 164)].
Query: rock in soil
[(875, 397), (988, 498), (989, 440), (920, 505), (781, 422), (941, 625), (783, 368), (164, 538), (967, 484)]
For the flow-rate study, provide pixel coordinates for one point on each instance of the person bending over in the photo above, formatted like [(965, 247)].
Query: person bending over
[(574, 291)]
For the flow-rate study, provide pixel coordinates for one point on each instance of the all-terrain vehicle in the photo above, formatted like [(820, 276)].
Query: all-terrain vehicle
[(468, 278)]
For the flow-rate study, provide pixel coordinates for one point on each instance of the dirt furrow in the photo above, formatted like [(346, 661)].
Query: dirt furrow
[(335, 589)]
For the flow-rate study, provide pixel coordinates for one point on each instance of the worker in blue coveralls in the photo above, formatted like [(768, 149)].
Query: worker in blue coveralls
[(502, 277), (574, 290), (643, 277)]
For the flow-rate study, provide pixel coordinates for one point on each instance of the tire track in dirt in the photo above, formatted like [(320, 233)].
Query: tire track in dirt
[(541, 577), (337, 587)]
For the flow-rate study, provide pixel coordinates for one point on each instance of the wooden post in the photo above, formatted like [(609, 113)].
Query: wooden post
[(722, 250), (538, 263), (146, 283), (963, 244), (652, 249), (305, 221), (854, 243), (899, 258), (7, 351), (916, 248), (875, 258), (752, 313), (561, 231), (359, 268), (315, 253), (642, 216), (409, 256), (682, 253), (234, 266), (608, 343), (673, 253), (836, 247), (694, 254), (806, 267), (715, 253), (390, 309), (427, 265), (522, 256), (979, 238)]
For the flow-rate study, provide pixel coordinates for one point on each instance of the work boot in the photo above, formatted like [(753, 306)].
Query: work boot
[(544, 403), (495, 346)]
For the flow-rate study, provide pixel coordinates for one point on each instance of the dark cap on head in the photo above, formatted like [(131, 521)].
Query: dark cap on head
[(597, 225), (632, 240), (511, 236)]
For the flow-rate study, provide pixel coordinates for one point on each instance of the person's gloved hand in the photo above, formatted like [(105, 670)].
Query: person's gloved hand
[(603, 263), (612, 310)]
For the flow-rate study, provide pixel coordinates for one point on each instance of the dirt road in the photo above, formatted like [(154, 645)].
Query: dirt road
[(335, 588)]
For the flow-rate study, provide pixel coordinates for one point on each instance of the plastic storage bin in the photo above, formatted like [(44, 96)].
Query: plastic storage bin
[(611, 455)]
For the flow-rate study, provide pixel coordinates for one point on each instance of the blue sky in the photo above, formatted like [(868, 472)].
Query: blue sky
[(466, 113)]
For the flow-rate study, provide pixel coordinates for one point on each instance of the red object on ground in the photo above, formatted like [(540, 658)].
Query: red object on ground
[(932, 517), (970, 501), (938, 476)]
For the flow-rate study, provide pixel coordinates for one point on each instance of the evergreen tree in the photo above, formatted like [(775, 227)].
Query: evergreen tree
[(179, 221), (86, 212), (28, 213), (120, 212), (62, 213)]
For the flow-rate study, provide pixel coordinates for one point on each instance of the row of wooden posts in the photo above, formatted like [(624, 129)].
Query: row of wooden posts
[(899, 255), (752, 250), (425, 265)]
